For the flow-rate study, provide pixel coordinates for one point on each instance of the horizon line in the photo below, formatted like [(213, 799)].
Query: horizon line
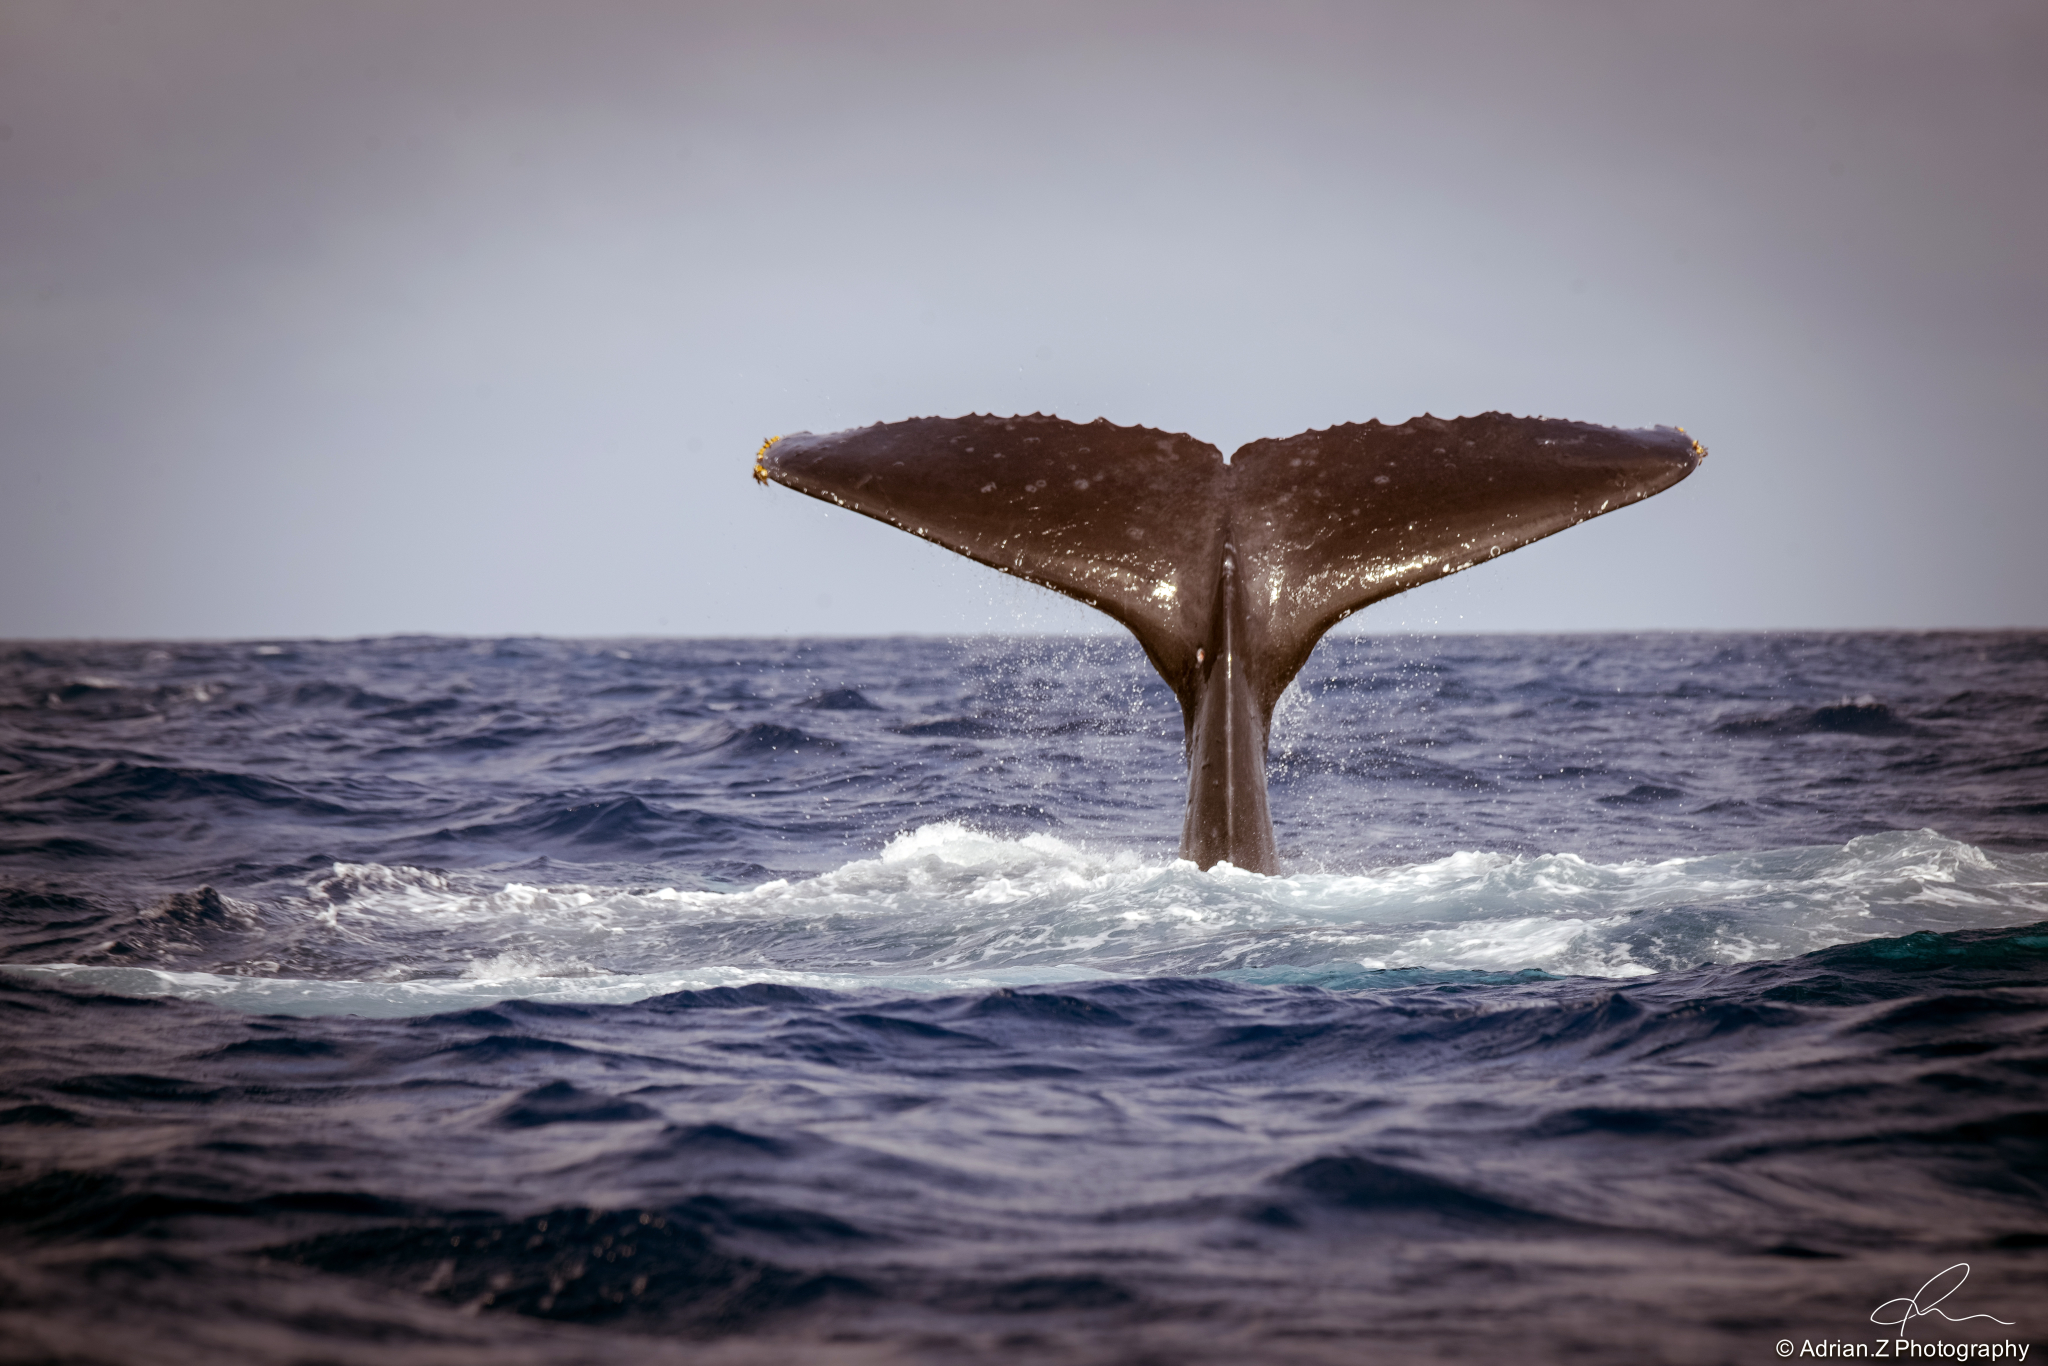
[(18, 641)]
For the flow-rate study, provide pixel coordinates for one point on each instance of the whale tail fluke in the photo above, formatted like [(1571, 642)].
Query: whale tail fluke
[(1229, 573)]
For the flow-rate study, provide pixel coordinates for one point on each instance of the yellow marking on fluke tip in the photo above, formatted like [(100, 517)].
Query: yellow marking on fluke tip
[(760, 471)]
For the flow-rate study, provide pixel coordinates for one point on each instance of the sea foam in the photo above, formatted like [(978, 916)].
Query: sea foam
[(946, 907)]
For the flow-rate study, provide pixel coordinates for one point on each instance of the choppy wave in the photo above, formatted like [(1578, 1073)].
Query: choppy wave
[(1687, 1166), (949, 908)]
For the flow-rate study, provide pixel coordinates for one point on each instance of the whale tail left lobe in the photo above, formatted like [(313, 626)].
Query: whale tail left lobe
[(1228, 574)]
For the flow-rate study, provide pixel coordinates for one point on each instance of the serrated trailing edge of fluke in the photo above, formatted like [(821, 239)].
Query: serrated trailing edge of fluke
[(1229, 572)]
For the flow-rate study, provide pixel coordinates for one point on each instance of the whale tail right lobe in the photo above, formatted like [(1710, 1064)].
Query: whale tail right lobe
[(1228, 574)]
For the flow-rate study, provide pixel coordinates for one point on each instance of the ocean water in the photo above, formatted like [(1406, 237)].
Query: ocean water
[(425, 1000)]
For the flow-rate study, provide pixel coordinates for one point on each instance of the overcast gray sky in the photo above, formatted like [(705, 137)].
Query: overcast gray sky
[(467, 315)]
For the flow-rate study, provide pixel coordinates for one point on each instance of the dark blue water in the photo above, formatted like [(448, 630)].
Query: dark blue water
[(1625, 998)]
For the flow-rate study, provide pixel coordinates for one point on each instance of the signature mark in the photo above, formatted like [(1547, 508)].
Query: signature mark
[(1909, 1307)]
